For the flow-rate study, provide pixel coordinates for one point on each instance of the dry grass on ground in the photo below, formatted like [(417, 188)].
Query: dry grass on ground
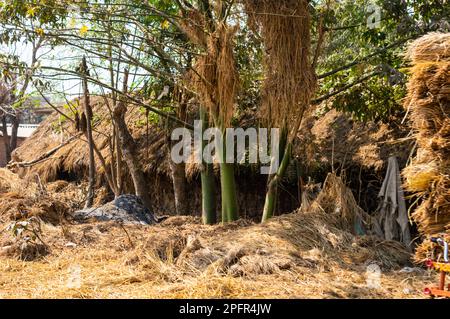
[(310, 253), (166, 262)]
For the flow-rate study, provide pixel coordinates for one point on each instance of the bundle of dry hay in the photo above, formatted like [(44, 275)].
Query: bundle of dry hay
[(290, 79), (24, 205), (428, 103), (338, 200), (10, 182), (294, 256), (214, 77), (330, 137)]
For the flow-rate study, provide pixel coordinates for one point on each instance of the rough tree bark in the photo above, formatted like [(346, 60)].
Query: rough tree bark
[(15, 121), (5, 138), (178, 173), (129, 148), (178, 170)]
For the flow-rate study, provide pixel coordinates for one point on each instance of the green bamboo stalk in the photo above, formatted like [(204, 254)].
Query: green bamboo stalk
[(228, 191), (228, 186), (272, 189), (208, 195), (208, 182)]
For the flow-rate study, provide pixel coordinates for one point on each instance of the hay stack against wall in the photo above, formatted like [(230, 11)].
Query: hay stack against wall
[(428, 103)]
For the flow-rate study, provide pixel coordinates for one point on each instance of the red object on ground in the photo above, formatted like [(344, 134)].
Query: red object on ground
[(439, 291)]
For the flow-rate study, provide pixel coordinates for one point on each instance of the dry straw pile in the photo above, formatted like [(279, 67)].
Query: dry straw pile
[(51, 202), (428, 103), (305, 254)]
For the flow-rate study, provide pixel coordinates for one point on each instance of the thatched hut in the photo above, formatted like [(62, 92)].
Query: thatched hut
[(70, 161), (362, 151)]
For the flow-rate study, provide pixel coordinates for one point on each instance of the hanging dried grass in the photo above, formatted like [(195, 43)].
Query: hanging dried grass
[(227, 75), (290, 79), (216, 79)]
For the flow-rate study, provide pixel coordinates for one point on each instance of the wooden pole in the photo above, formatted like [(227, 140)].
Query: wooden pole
[(88, 113)]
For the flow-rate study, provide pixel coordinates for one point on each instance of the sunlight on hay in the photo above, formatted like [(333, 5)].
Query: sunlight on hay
[(428, 103), (434, 46), (419, 178)]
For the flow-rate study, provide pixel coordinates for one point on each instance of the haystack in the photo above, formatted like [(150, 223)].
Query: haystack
[(22, 199), (322, 232), (428, 104), (9, 181), (328, 137)]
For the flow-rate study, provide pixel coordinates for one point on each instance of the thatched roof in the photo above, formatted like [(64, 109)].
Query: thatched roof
[(334, 138), (72, 158)]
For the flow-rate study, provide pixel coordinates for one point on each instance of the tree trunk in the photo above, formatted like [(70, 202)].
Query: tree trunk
[(88, 133), (129, 149), (129, 152), (10, 141), (179, 187), (6, 138), (119, 166), (15, 122), (178, 170), (209, 215), (228, 186), (270, 200), (178, 174), (274, 181)]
